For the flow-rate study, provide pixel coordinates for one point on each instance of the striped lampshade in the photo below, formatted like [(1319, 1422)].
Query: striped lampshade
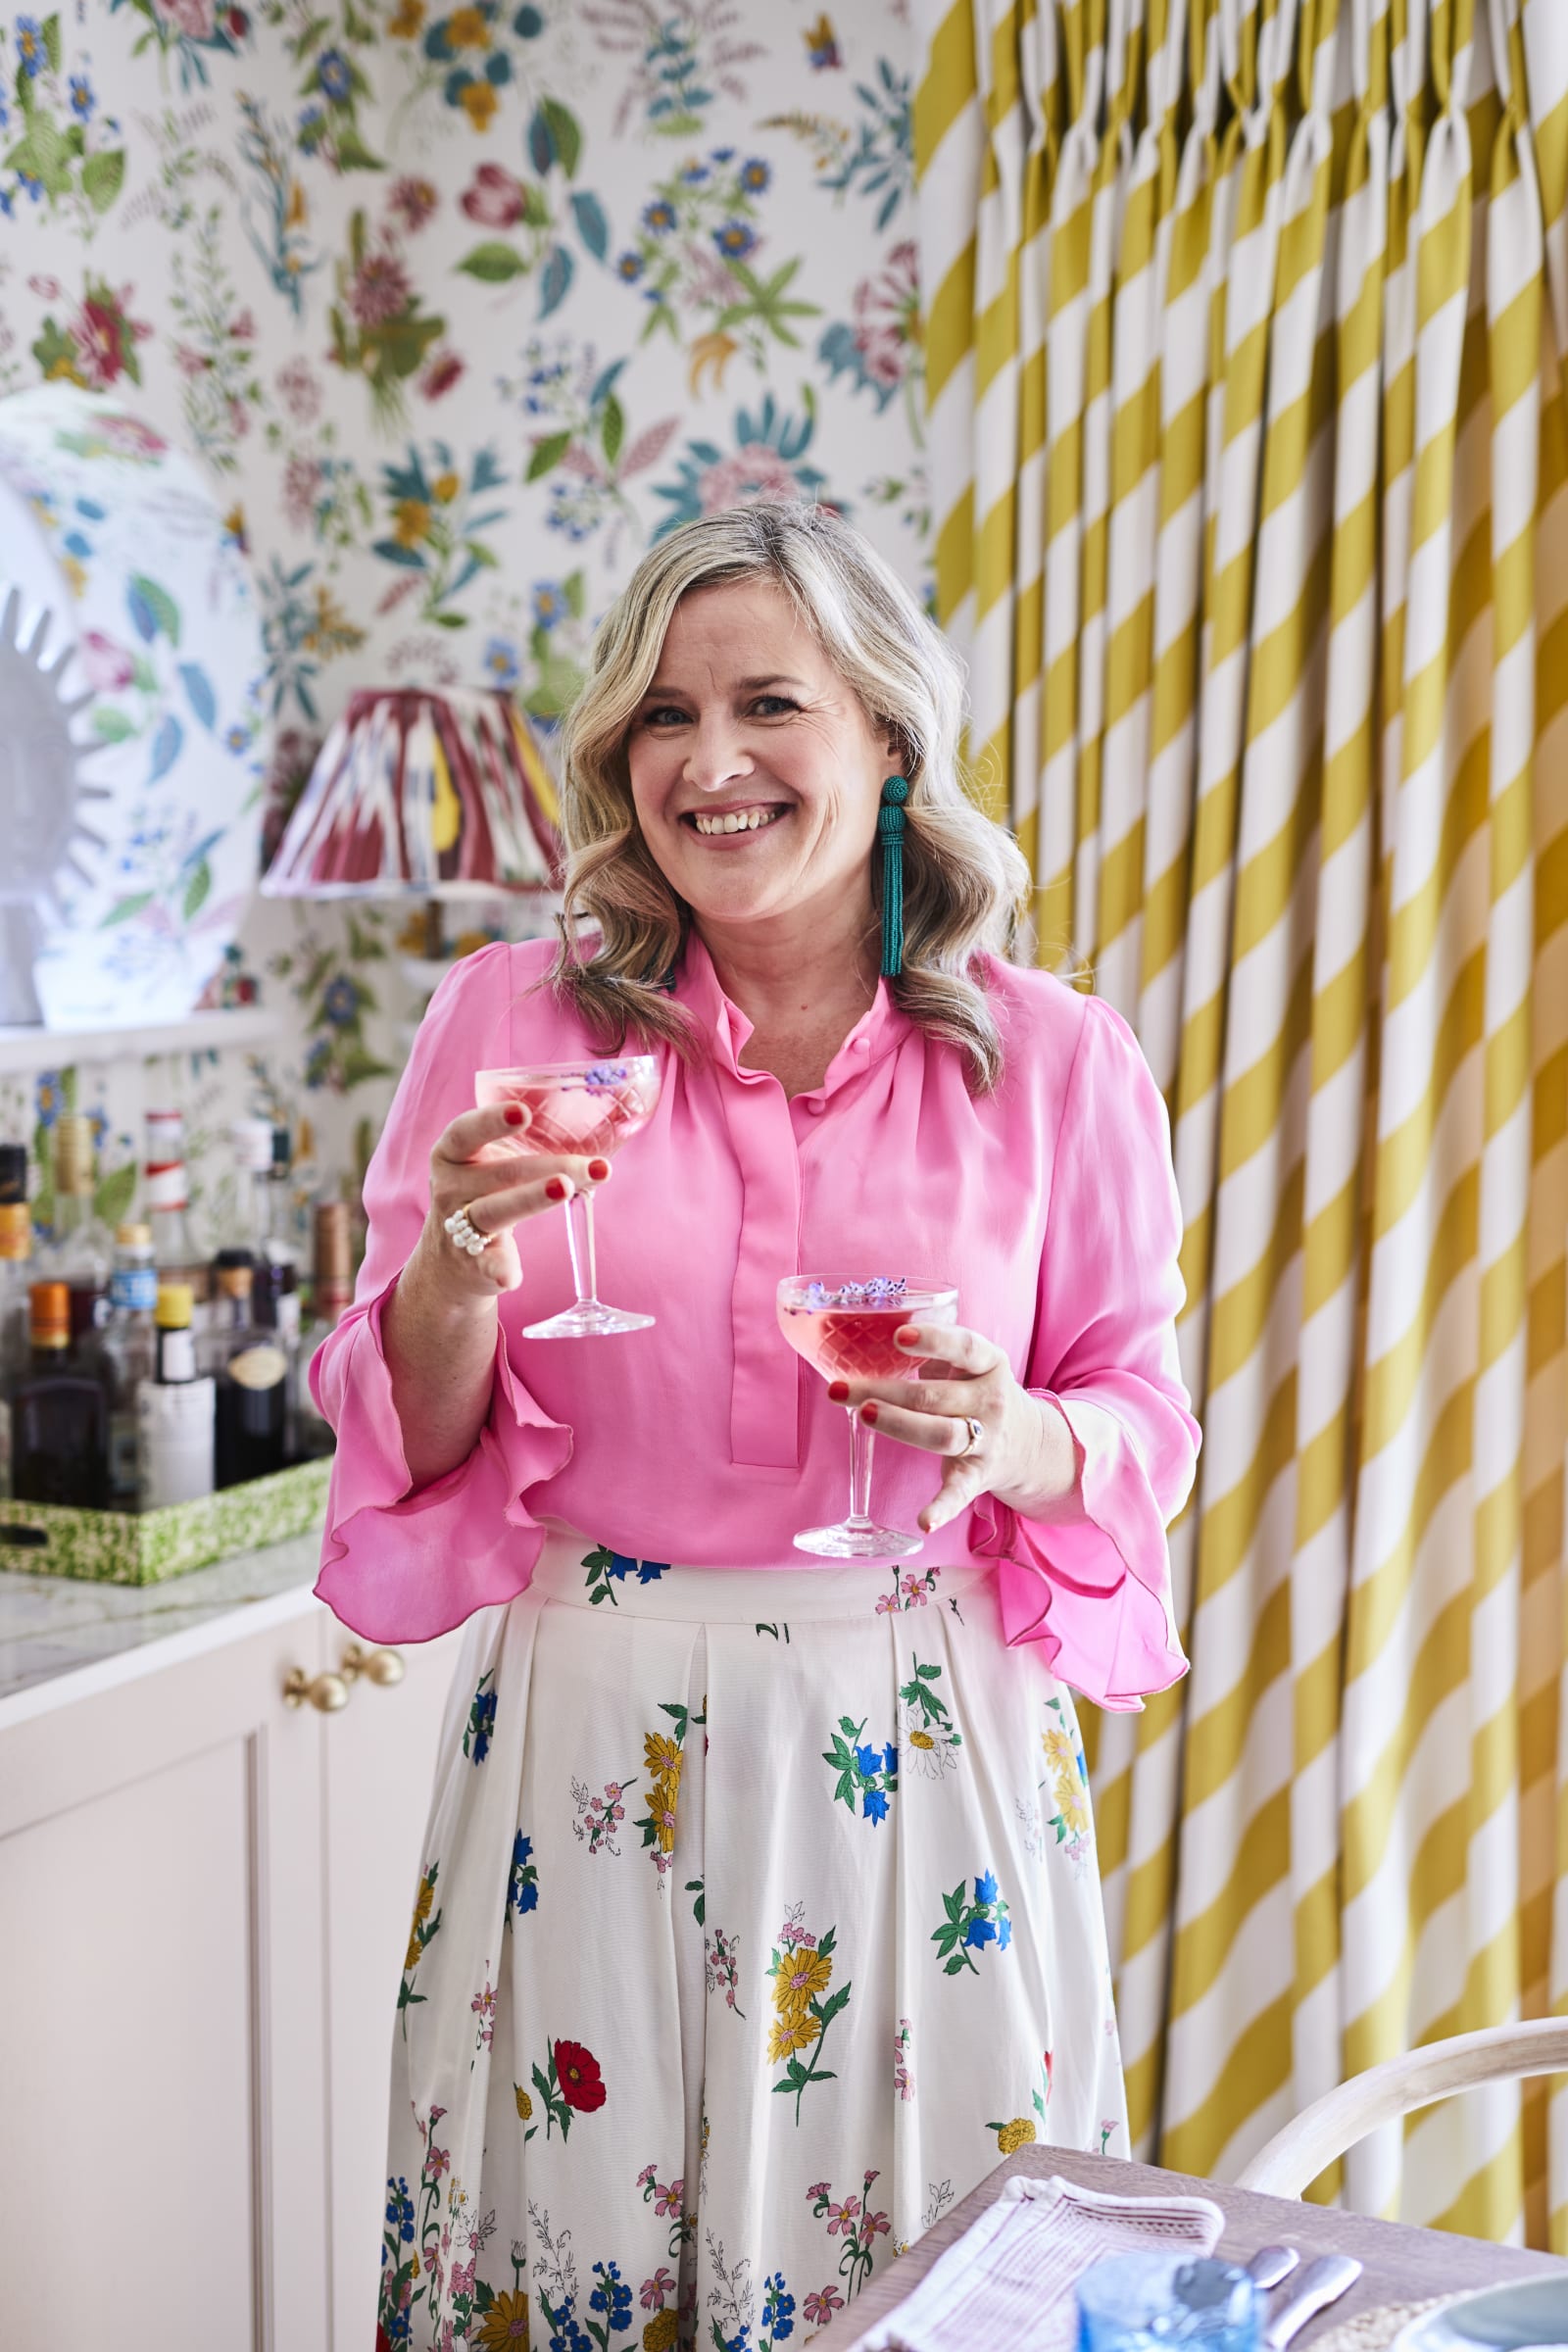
[(439, 794)]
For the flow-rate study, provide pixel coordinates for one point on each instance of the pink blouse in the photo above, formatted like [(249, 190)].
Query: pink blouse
[(706, 1440)]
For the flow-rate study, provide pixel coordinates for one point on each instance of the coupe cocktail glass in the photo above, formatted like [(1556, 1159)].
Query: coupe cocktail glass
[(843, 1323), (583, 1110)]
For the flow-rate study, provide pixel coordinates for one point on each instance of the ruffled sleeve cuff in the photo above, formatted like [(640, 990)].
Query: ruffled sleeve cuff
[(1093, 1583), (404, 1566)]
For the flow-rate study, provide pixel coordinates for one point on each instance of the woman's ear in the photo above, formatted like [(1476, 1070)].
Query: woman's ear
[(897, 751)]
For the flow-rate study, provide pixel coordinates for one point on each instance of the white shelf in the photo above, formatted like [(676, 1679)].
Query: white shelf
[(29, 1050)]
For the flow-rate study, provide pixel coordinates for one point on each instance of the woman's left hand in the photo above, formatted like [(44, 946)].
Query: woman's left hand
[(1025, 1455)]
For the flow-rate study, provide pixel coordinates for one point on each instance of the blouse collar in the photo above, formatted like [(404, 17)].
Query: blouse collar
[(879, 1030)]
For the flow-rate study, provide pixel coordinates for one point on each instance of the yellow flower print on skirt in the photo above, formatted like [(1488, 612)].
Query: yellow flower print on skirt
[(703, 2102)]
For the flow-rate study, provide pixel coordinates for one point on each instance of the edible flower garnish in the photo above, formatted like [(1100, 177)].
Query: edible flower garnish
[(882, 1290), (603, 1075)]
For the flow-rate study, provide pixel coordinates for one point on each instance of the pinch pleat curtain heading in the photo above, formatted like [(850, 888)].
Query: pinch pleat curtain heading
[(1249, 453)]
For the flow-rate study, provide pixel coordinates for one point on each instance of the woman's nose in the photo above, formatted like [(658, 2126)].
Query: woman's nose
[(717, 756)]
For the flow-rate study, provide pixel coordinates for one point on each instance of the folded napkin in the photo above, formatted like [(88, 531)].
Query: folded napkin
[(1009, 2279)]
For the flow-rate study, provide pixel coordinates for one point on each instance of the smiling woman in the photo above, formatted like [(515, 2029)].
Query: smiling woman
[(725, 765), (913, 1946)]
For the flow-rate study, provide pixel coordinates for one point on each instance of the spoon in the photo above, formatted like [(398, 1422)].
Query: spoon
[(1270, 2264)]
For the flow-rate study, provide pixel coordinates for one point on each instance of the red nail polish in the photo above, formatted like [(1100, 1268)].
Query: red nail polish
[(599, 1169), (514, 1114), (868, 1415), (838, 1392), (556, 1188), (907, 1334)]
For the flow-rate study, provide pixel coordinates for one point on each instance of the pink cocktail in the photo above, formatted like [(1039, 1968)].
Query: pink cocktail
[(845, 1327), (585, 1110)]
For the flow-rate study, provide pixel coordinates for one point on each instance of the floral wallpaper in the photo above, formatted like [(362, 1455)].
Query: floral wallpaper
[(458, 307)]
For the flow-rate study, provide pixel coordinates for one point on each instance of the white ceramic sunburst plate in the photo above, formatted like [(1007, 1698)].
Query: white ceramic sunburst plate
[(112, 529), (1499, 2319)]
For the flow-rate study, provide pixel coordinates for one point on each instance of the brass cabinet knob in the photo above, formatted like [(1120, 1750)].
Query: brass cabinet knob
[(328, 1692), (383, 1666)]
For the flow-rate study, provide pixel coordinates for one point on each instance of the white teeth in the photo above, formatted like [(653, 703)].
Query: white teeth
[(742, 820)]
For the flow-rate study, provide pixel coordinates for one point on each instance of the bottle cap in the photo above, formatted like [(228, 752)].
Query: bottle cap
[(133, 1237), (174, 1310), (49, 1314), (13, 1173), (252, 1139), (162, 1125), (16, 1231), (235, 1258), (73, 1152)]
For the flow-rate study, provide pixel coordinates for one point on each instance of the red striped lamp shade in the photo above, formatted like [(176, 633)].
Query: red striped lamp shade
[(437, 795)]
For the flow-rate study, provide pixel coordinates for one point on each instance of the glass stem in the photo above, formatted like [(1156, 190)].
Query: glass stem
[(861, 1439), (580, 1241)]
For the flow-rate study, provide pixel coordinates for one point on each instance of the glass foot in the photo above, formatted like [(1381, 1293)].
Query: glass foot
[(589, 1321), (846, 1541)]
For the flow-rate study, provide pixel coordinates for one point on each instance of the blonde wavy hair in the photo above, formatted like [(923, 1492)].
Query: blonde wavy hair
[(964, 879)]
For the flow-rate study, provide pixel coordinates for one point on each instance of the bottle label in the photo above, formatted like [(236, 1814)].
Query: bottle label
[(134, 1288), (176, 1442), (288, 1318), (258, 1367), (164, 1187), (176, 1357)]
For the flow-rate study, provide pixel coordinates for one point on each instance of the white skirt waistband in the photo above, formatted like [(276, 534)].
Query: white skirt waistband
[(574, 1570)]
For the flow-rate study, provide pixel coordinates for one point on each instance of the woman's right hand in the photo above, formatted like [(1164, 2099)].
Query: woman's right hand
[(477, 1165)]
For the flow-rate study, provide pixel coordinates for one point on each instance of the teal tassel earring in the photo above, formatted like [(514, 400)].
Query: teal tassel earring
[(890, 832)]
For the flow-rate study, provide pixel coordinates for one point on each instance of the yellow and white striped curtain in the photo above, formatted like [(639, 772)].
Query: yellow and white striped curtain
[(1249, 473)]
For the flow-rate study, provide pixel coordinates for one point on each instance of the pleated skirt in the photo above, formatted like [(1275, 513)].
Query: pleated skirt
[(759, 1916)]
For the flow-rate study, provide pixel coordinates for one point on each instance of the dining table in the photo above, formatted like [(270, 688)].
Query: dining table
[(1400, 2264)]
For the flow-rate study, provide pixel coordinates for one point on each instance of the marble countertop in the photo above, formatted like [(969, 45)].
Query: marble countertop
[(53, 1625)]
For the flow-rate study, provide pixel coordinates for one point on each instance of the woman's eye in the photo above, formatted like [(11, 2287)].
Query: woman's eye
[(664, 711), (767, 706)]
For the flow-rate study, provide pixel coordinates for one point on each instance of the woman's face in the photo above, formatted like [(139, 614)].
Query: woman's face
[(756, 771)]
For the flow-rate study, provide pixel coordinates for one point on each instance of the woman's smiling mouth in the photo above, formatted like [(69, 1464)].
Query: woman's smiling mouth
[(732, 820)]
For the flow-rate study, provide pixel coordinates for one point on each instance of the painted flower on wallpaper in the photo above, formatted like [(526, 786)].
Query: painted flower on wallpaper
[(64, 154), (326, 980), (303, 627), (544, 659), (97, 344), (879, 350), (325, 495), (691, 264), (216, 352), (273, 209), (191, 31), (469, 49), (822, 45), (764, 464), (580, 440), (435, 530), (380, 329), (873, 156), (540, 210), (332, 82), (685, 59)]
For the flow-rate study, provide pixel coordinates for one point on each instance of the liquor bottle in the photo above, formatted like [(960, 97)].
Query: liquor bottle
[(332, 1292), (164, 1196), (82, 1253), (251, 1142), (127, 1349), (59, 1418), (15, 1247), (250, 1373), (174, 1409), (13, 1174)]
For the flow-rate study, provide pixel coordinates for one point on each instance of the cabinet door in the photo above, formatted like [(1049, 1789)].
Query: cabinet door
[(161, 2023), (380, 1765)]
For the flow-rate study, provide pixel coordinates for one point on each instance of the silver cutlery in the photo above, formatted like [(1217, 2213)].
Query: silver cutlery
[(1322, 2282), (1270, 2264)]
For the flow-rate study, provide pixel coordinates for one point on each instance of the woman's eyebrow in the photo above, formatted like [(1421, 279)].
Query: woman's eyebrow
[(657, 692)]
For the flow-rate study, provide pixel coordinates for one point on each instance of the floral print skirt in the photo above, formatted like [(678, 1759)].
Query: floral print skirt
[(759, 1918)]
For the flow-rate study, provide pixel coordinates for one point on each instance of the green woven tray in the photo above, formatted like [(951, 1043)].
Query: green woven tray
[(121, 1548)]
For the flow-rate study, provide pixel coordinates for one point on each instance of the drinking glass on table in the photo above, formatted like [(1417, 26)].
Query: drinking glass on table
[(585, 1110), (845, 1326)]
